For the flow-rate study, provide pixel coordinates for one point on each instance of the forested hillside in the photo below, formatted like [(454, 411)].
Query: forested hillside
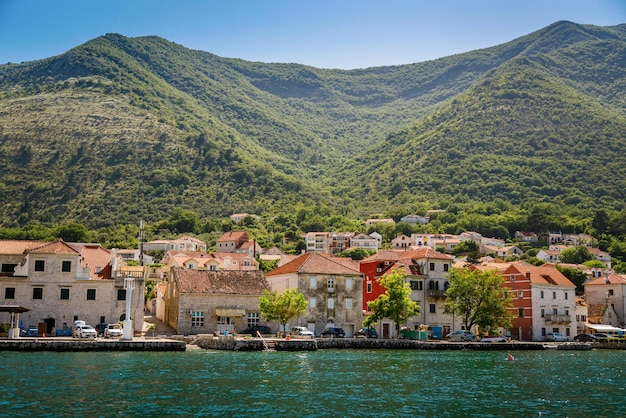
[(121, 129)]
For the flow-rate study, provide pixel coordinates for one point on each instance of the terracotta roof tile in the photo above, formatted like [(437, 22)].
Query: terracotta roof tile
[(220, 282), (610, 279), (317, 263), (57, 247)]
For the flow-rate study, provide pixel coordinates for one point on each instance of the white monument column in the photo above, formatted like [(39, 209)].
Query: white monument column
[(127, 332)]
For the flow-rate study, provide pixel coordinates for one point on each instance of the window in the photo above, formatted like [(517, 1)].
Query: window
[(331, 284), (37, 292), (543, 332), (121, 294), (543, 313), (610, 292), (369, 287), (348, 284), (331, 303), (40, 265), (553, 295), (583, 318), (253, 319), (197, 319), (446, 267), (91, 294), (566, 295), (348, 303), (541, 294), (8, 268), (312, 302), (221, 320), (313, 283), (567, 332), (431, 266), (520, 294), (512, 278), (66, 266), (9, 293), (65, 294), (432, 308), (417, 285), (520, 312), (554, 311)]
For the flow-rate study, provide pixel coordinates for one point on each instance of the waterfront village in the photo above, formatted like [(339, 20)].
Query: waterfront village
[(48, 286)]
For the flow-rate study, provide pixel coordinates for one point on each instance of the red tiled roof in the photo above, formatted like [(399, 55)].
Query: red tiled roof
[(95, 257), (13, 247), (57, 247), (220, 282), (610, 279), (233, 236), (317, 263), (545, 274)]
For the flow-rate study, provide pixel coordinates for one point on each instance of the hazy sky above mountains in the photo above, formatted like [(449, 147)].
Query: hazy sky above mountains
[(323, 33)]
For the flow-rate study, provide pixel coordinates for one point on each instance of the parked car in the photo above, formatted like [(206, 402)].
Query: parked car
[(367, 332), (264, 330), (460, 335), (555, 336), (493, 339), (586, 338), (332, 332), (302, 332), (85, 331), (113, 330)]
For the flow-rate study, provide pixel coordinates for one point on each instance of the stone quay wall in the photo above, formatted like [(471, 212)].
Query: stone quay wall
[(52, 344)]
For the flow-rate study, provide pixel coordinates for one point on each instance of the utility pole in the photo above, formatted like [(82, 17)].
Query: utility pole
[(141, 243)]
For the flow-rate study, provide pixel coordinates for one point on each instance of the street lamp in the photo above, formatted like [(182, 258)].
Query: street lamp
[(129, 285)]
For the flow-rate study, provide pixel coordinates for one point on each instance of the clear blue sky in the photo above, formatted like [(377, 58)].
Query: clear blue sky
[(323, 33)]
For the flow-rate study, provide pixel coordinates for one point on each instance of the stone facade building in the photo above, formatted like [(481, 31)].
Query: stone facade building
[(204, 302), (62, 282), (332, 286)]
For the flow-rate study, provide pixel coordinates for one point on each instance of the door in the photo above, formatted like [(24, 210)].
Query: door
[(386, 330)]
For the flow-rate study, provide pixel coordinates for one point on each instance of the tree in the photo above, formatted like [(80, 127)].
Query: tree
[(575, 255), (395, 303), (576, 276), (282, 308), (477, 296)]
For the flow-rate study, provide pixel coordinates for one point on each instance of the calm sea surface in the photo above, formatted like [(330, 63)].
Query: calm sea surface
[(326, 383)]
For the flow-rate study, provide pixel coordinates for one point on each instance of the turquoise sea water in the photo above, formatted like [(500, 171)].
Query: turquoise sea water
[(326, 383)]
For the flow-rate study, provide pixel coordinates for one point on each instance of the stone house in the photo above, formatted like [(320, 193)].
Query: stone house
[(62, 282), (332, 286), (607, 295), (205, 302)]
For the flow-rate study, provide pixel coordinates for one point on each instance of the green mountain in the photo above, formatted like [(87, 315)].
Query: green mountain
[(120, 129)]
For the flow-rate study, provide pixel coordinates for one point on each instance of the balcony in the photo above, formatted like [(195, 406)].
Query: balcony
[(561, 319), (436, 293)]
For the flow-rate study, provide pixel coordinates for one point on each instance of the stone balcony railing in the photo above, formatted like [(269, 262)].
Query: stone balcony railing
[(562, 319)]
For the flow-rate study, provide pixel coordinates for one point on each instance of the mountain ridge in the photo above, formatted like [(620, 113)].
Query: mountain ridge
[(219, 135)]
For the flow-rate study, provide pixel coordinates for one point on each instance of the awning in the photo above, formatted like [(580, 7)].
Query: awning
[(230, 312), (13, 308), (603, 328)]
